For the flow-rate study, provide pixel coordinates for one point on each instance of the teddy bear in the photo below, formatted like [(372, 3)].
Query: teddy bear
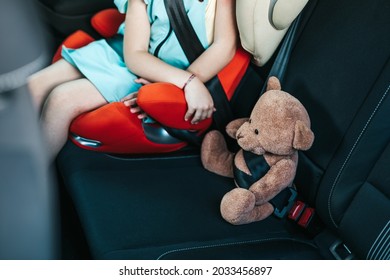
[(266, 163)]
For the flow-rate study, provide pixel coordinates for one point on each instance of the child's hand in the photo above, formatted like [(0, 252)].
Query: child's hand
[(199, 102), (142, 81), (131, 100)]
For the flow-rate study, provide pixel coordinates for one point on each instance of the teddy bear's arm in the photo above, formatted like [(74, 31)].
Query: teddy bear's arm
[(277, 178), (233, 126)]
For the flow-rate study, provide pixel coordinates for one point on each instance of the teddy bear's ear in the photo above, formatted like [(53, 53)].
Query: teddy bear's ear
[(303, 136), (233, 126), (273, 84)]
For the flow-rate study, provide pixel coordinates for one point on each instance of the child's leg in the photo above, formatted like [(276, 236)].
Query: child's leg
[(63, 104), (44, 81)]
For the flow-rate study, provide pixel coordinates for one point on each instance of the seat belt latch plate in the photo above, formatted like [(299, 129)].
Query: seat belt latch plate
[(285, 210)]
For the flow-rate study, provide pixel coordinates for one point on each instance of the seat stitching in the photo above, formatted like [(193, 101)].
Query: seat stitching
[(384, 248), (378, 241), (350, 153), (231, 244)]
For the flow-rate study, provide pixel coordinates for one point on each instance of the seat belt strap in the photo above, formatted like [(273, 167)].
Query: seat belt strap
[(279, 66), (223, 114), (183, 29), (193, 48)]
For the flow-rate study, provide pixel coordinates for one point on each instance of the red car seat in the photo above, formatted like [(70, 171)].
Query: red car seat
[(113, 129)]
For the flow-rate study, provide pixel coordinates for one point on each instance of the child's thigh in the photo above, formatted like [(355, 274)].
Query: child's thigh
[(44, 81), (56, 74), (76, 96)]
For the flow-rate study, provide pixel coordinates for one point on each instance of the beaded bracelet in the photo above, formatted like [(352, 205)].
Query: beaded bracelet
[(188, 81)]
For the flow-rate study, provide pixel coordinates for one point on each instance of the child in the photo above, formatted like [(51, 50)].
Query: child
[(96, 74)]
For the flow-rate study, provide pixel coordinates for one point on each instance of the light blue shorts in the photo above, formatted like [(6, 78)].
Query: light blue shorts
[(102, 63)]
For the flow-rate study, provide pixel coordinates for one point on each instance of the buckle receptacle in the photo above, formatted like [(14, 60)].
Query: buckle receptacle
[(340, 251)]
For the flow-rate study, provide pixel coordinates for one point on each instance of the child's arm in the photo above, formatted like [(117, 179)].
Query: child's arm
[(145, 65), (220, 53), (136, 44), (222, 50)]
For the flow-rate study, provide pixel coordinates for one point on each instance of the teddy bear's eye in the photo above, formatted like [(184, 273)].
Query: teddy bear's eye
[(250, 121), (256, 131)]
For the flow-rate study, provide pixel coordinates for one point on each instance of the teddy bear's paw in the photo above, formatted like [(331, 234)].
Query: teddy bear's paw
[(215, 155), (262, 211), (237, 206)]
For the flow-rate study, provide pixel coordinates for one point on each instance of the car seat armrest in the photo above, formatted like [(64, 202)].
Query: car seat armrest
[(285, 11), (262, 30), (166, 104), (107, 22), (76, 40)]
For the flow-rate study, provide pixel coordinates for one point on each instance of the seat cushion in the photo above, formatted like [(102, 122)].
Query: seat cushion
[(137, 218)]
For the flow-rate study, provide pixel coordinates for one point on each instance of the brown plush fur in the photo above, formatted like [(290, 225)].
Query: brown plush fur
[(278, 127)]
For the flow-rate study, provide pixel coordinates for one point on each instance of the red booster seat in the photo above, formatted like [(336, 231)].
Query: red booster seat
[(113, 129)]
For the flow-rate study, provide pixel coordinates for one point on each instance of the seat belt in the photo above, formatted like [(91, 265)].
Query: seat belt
[(285, 203), (291, 207), (279, 66), (193, 48), (183, 29)]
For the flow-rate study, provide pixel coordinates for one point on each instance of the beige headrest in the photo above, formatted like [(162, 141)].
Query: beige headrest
[(263, 23)]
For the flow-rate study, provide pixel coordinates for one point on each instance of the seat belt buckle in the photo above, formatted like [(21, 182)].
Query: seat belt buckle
[(301, 213), (296, 210), (305, 217), (281, 213)]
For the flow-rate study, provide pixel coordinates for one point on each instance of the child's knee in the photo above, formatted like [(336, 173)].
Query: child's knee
[(65, 101), (34, 84), (60, 99)]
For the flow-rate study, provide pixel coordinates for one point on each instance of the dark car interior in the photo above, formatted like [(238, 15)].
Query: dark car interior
[(96, 205)]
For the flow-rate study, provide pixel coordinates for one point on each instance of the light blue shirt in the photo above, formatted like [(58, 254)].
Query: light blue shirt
[(170, 51), (106, 68)]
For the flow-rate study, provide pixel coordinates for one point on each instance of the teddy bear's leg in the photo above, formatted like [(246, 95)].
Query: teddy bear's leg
[(215, 155), (238, 207)]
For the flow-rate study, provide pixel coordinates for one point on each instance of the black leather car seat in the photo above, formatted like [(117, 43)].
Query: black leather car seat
[(167, 207)]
